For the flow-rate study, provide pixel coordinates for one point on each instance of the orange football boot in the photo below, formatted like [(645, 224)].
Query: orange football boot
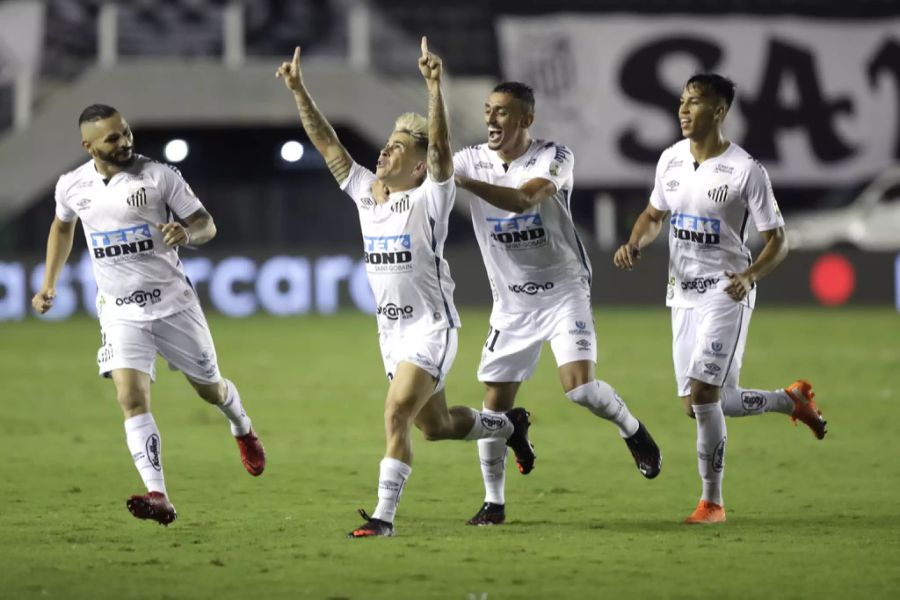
[(805, 409), (706, 513)]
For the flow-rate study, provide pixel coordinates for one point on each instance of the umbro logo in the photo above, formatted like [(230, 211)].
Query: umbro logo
[(719, 194), (672, 185), (139, 198)]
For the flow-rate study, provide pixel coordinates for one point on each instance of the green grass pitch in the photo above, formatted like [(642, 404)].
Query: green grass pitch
[(806, 519)]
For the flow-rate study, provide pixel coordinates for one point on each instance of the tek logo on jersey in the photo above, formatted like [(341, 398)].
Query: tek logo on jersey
[(130, 243), (530, 288), (718, 194), (393, 312), (138, 198), (388, 253), (521, 232), (141, 298), (700, 230)]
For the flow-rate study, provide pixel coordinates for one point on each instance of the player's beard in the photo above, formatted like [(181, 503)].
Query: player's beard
[(115, 158)]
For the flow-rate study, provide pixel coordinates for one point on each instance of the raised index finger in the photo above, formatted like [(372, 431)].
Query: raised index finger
[(296, 60), (424, 46)]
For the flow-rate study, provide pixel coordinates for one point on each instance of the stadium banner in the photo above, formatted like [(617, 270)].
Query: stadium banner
[(818, 101), (294, 283)]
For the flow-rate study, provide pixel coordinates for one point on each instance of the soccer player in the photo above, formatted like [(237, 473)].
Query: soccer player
[(709, 186), (540, 278), (145, 303), (403, 242)]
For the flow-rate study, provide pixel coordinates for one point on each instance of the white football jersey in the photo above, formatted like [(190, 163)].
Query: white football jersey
[(533, 259), (138, 277), (403, 248), (709, 205)]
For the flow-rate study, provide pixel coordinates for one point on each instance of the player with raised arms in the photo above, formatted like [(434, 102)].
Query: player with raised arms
[(708, 186), (540, 276), (145, 303), (403, 241)]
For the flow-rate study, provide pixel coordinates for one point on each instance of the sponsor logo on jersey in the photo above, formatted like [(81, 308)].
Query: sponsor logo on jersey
[(555, 168), (393, 312), (366, 202), (388, 253), (672, 185), (401, 205), (711, 368), (580, 329), (718, 194), (674, 163), (138, 198), (521, 232), (141, 298), (720, 168), (152, 447), (583, 344), (83, 204), (753, 402), (700, 285), (130, 243), (483, 165), (718, 457), (531, 162), (531, 288), (84, 184), (716, 346), (700, 230)]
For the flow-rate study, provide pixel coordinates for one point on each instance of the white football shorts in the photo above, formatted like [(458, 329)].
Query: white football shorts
[(708, 342), (514, 341), (432, 352), (183, 339)]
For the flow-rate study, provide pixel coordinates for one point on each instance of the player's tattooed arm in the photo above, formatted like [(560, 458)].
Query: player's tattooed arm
[(317, 127), (200, 229), (440, 156)]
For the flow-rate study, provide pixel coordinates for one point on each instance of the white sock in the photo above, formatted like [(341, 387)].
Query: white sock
[(711, 438), (489, 424), (391, 482), (142, 437), (740, 402), (233, 410), (601, 399), (492, 454)]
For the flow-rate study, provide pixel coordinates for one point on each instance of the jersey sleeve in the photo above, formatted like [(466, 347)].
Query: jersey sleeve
[(761, 199), (461, 163), (358, 184), (63, 211), (554, 163), (439, 197), (657, 199), (178, 194)]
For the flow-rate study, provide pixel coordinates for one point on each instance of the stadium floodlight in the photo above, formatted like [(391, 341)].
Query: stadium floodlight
[(176, 150), (291, 151)]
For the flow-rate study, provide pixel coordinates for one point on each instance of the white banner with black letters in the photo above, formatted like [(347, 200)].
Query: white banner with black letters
[(818, 101)]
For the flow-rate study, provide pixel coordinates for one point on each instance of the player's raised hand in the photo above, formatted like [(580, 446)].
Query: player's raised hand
[(43, 300), (627, 256), (429, 63), (174, 234), (290, 72)]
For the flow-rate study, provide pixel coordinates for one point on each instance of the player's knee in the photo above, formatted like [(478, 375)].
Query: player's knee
[(214, 393), (133, 402), (397, 416)]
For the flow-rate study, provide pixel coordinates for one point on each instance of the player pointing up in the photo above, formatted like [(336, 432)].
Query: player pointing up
[(403, 242)]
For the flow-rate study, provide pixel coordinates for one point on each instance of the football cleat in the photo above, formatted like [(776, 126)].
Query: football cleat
[(371, 527), (706, 513), (645, 452), (519, 442), (154, 506), (253, 455), (805, 409), (488, 514)]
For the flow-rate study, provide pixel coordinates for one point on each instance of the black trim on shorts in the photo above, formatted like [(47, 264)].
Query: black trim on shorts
[(736, 342), (440, 366)]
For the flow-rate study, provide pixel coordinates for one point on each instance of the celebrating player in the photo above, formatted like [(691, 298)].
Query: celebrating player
[(145, 303), (709, 186), (540, 277), (403, 240)]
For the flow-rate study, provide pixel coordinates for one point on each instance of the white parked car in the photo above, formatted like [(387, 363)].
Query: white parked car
[(869, 221)]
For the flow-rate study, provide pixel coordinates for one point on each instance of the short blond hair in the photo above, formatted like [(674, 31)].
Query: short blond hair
[(414, 125)]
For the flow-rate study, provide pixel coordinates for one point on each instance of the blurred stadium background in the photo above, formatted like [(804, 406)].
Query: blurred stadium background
[(818, 104)]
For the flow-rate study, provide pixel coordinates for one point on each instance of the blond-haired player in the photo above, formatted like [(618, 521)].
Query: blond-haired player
[(403, 241)]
